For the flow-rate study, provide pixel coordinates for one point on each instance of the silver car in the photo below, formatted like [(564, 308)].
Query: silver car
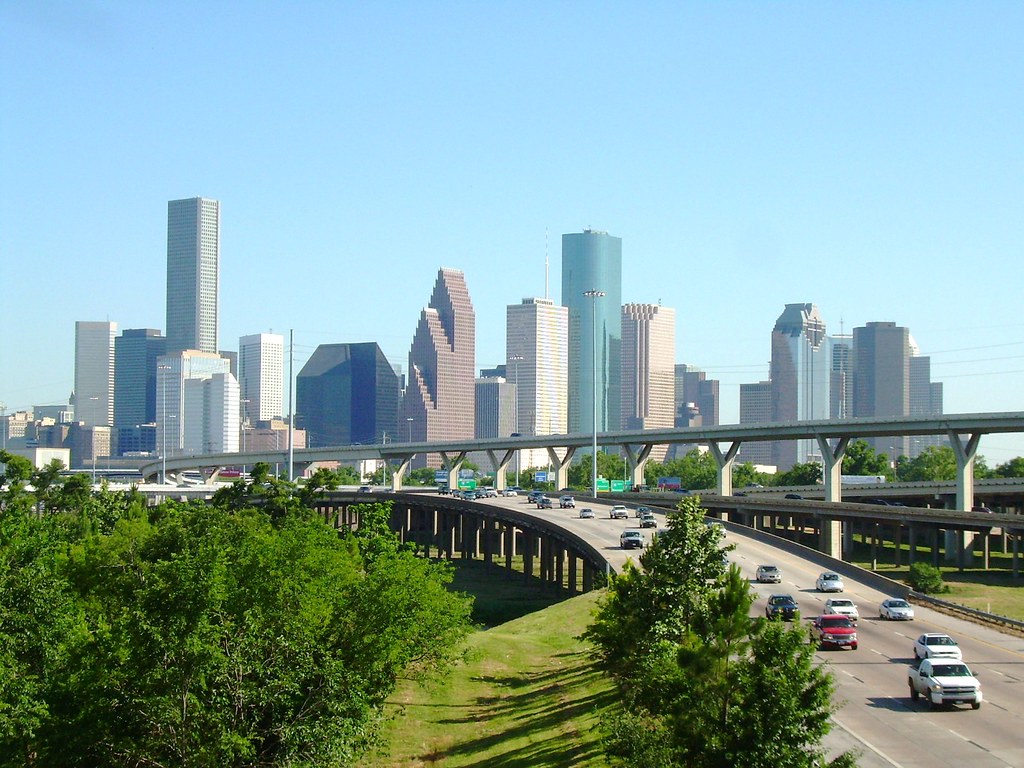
[(895, 609), (830, 582), (769, 574), (843, 606)]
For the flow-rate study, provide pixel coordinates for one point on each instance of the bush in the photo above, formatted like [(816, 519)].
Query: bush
[(926, 579)]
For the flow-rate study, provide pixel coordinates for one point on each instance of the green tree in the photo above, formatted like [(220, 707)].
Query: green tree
[(933, 463), (860, 459), (799, 474), (745, 475), (1012, 468)]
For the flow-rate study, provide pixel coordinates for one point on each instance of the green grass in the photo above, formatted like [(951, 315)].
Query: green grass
[(528, 695)]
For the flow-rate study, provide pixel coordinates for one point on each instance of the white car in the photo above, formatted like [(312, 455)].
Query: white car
[(830, 581), (587, 513), (895, 609), (619, 512), (490, 493), (936, 645), (844, 606), (509, 492), (769, 574)]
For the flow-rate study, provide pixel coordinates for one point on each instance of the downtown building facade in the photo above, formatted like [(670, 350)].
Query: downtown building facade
[(536, 362), (261, 377), (756, 408), (801, 371), (592, 264), (136, 352), (648, 369), (696, 404), (193, 274), (196, 414), (347, 394), (94, 373), (439, 401)]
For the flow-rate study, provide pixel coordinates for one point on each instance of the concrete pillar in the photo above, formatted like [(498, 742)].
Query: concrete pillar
[(965, 453), (911, 543), (588, 576), (637, 460), (560, 466), (400, 470), (528, 545), (724, 460), (1016, 554), (874, 547), (452, 465), (501, 467), (573, 589), (831, 537), (510, 546), (986, 549), (848, 540), (559, 565), (833, 466), (897, 540)]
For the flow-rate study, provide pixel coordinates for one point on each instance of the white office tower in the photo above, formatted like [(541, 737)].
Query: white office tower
[(193, 274), (94, 372), (648, 369), (261, 377), (177, 411), (211, 414), (536, 362)]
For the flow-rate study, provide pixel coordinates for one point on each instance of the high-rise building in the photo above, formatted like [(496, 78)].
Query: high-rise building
[(800, 374), (925, 400), (693, 388), (495, 407), (94, 373), (881, 378), (439, 398), (756, 408), (648, 369), (136, 352), (193, 274), (536, 362), (176, 409), (261, 377), (841, 381), (211, 423), (592, 262), (347, 394)]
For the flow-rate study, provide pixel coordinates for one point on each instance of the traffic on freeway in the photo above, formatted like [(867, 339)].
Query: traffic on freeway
[(876, 715)]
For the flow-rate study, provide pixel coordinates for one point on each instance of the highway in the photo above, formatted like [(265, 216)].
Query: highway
[(875, 714)]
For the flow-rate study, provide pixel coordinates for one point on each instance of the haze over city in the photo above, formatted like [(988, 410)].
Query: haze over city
[(864, 158)]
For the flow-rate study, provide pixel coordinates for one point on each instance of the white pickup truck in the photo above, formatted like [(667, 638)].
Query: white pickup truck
[(944, 682)]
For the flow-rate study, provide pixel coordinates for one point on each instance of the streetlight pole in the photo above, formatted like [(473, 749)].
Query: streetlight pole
[(514, 359), (163, 423), (594, 295)]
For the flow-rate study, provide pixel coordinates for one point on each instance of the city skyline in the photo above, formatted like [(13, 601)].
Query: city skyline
[(748, 157)]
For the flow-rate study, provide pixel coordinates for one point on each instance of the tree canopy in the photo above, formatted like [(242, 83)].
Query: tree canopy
[(239, 633)]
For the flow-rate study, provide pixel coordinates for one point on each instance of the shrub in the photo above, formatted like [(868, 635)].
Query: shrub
[(926, 579)]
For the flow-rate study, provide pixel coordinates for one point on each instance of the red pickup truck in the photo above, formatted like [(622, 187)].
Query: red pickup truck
[(835, 630)]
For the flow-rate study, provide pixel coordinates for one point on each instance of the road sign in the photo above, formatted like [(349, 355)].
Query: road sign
[(540, 477)]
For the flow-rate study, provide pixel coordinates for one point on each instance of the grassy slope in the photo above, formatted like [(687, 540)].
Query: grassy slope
[(528, 696)]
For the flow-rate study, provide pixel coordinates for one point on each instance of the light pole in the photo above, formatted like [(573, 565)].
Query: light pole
[(163, 422), (594, 295), (515, 359)]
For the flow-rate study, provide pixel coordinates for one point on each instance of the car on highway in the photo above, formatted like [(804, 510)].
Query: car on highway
[(834, 630), (510, 492), (489, 493), (783, 607), (896, 609), (936, 645), (618, 512), (647, 520), (769, 574), (793, 496), (444, 490), (944, 681), (641, 509), (830, 581), (587, 513), (567, 502), (631, 540), (365, 489), (534, 495), (843, 606), (544, 503)]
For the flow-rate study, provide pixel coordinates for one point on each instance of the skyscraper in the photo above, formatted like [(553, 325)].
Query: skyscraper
[(756, 408), (881, 378), (193, 274), (648, 369), (800, 374), (536, 344), (693, 387), (261, 376), (439, 398), (136, 352), (841, 382), (347, 394), (592, 261), (181, 418), (94, 373), (495, 407)]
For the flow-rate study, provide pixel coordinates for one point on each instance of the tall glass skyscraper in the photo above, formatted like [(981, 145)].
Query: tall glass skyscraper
[(193, 274), (592, 261), (801, 370), (136, 352), (94, 372), (261, 376)]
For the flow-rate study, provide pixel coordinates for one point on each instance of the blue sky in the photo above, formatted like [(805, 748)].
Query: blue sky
[(866, 157)]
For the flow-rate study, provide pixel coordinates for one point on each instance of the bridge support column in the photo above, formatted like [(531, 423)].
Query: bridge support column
[(848, 540), (965, 453), (573, 588), (637, 460), (897, 540), (1016, 554), (560, 565), (588, 576), (500, 468), (400, 470), (529, 544), (831, 537), (561, 466), (911, 543), (724, 461), (452, 466)]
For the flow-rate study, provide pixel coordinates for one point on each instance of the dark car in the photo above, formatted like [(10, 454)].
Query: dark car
[(641, 510), (783, 607), (793, 496)]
